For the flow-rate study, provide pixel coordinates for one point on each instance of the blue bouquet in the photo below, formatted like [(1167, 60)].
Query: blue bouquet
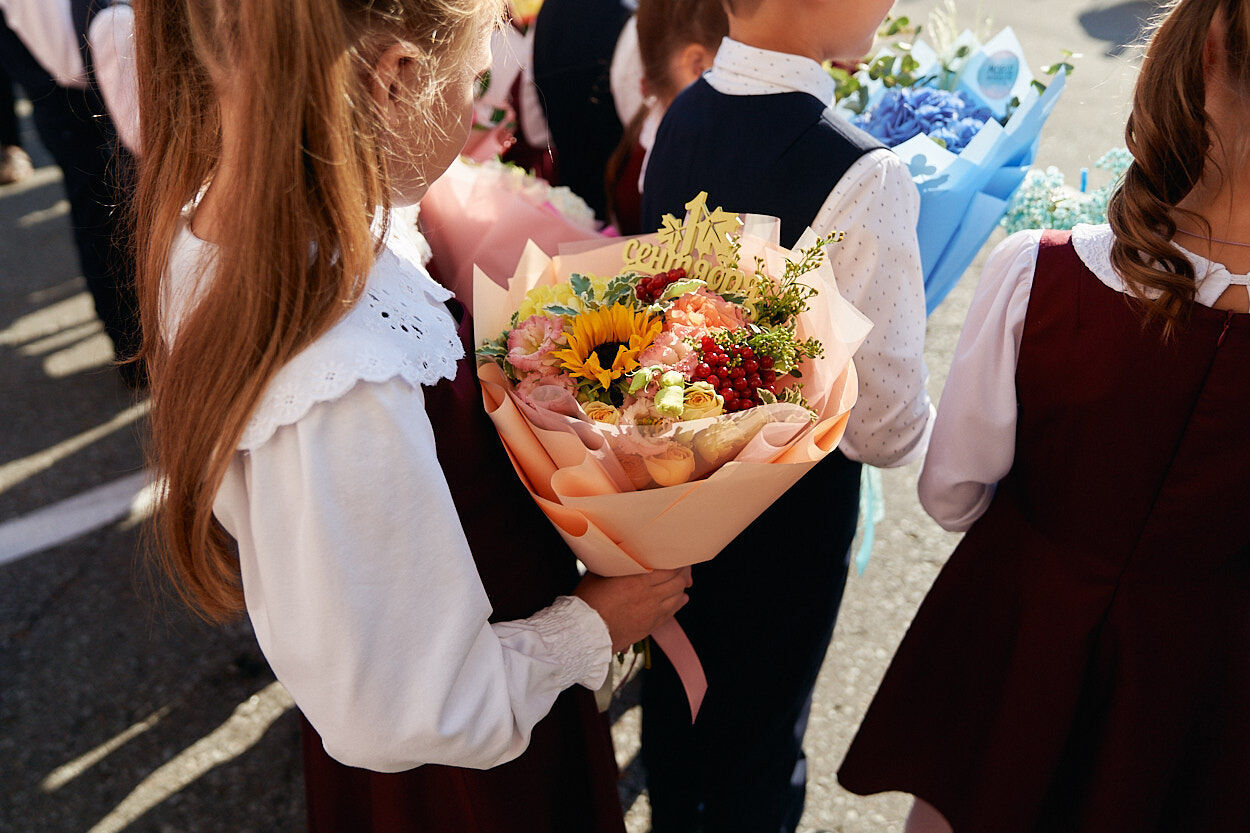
[(948, 117), (969, 134)]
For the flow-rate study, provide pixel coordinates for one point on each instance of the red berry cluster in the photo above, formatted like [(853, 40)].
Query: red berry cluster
[(735, 373), (650, 289)]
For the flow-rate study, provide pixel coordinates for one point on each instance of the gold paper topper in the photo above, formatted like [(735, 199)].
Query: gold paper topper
[(702, 245)]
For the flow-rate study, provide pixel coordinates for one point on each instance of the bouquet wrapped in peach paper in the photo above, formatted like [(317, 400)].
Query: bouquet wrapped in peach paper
[(655, 397)]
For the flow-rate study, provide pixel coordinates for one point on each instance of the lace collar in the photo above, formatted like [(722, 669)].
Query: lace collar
[(1093, 246), (400, 327)]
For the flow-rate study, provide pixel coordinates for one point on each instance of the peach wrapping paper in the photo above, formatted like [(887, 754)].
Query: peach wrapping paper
[(573, 476), (478, 215)]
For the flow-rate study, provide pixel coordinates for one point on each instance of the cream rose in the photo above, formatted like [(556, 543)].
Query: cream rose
[(672, 466), (602, 412), (701, 400)]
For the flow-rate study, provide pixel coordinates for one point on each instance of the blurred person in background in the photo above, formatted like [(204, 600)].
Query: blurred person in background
[(74, 60), (574, 41), (664, 48), (14, 161)]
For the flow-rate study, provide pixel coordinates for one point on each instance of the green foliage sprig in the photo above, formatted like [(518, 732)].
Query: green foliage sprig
[(778, 303)]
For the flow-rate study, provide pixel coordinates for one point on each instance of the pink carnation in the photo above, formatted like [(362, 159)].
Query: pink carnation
[(706, 310), (530, 345), (527, 387), (670, 351)]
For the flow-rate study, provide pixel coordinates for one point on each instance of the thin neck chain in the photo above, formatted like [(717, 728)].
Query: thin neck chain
[(1212, 239)]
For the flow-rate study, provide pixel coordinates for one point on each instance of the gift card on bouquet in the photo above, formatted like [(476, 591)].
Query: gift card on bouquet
[(997, 73)]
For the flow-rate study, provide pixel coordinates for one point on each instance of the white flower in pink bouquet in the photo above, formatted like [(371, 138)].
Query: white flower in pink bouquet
[(531, 344), (671, 351), (704, 309), (641, 411)]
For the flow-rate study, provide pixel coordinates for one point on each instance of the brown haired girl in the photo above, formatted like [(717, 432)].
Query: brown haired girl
[(1082, 663), (675, 40), (326, 462)]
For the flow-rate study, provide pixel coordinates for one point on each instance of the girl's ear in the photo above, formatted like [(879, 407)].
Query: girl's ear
[(388, 81), (1213, 47), (690, 62)]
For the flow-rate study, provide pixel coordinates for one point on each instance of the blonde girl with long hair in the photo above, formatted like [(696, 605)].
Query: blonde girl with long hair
[(326, 466), (1082, 664)]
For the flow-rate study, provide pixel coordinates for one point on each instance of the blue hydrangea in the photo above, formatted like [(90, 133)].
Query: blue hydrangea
[(904, 112)]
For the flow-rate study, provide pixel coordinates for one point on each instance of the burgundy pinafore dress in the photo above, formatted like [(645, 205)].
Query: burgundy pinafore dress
[(1082, 663), (566, 781)]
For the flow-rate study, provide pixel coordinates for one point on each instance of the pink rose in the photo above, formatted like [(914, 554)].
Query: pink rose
[(703, 309), (530, 345), (670, 351)]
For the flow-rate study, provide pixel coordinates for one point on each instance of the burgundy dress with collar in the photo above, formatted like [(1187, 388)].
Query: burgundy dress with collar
[(1082, 664), (566, 781)]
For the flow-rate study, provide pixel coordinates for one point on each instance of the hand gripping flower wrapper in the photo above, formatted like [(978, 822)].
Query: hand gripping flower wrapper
[(966, 119), (655, 399)]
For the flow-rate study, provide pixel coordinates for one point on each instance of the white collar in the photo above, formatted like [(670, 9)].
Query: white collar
[(1093, 245), (740, 69)]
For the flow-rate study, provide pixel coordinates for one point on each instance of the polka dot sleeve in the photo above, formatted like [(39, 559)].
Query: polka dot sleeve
[(877, 268)]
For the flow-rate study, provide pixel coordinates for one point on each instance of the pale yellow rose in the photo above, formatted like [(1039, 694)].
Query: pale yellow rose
[(538, 298), (603, 412), (672, 466), (701, 400)]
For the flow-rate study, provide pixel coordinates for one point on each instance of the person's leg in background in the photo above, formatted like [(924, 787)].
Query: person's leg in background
[(14, 161)]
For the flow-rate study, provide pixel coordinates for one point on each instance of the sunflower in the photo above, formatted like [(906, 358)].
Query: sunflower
[(605, 343)]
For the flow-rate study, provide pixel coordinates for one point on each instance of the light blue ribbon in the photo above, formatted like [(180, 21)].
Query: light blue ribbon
[(871, 512)]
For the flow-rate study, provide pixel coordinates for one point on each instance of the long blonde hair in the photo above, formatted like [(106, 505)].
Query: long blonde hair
[(1172, 143), (315, 172)]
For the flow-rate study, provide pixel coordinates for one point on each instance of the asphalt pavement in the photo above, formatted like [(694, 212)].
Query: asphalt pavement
[(119, 711)]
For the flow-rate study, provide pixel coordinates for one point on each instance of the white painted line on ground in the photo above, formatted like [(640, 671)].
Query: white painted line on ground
[(61, 522)]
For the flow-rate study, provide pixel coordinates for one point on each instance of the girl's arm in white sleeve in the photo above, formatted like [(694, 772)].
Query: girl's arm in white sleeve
[(974, 437), (368, 605)]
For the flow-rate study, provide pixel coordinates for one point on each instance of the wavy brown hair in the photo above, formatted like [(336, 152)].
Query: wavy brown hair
[(315, 172), (1173, 144)]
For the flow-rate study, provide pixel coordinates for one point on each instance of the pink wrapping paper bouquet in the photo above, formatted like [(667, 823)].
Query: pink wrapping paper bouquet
[(650, 389)]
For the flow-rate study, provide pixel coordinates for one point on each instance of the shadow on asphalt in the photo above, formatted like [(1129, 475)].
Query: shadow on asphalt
[(1121, 25), (57, 387)]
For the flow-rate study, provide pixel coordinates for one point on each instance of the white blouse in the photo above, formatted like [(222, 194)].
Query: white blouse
[(973, 443), (356, 572), (877, 266)]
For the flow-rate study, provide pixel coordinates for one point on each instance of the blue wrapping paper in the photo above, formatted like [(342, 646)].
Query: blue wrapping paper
[(963, 197)]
